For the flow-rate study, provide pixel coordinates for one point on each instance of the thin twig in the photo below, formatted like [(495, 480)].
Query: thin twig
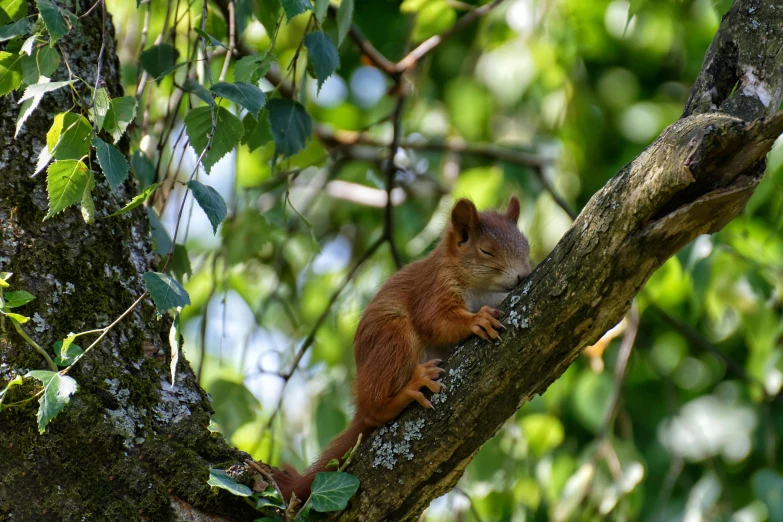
[(232, 40), (100, 60), (391, 171)]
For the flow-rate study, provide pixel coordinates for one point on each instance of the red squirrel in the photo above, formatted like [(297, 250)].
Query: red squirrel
[(436, 301)]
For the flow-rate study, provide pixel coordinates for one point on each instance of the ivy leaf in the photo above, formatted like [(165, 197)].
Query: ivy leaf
[(28, 106), (10, 72), (138, 200), (257, 133), (143, 169), (101, 107), (251, 69), (12, 10), (66, 181), (295, 7), (120, 114), (344, 19), (72, 351), (220, 479), (41, 88), (112, 162), (331, 491), (291, 126), (19, 28), (323, 54), (159, 59), (243, 94), (57, 393), (228, 133), (54, 18), (211, 202), (43, 63), (213, 42), (193, 87), (18, 298), (165, 291)]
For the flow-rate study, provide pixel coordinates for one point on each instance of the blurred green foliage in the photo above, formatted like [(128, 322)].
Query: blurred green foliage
[(696, 435)]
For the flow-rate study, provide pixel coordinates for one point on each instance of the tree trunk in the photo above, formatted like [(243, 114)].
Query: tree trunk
[(129, 446)]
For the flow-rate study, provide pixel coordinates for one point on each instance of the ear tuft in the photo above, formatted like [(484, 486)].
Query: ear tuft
[(464, 218), (513, 209)]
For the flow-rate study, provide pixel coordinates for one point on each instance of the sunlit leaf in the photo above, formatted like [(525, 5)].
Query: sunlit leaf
[(10, 72), (68, 356), (66, 181), (18, 298), (138, 199), (57, 393)]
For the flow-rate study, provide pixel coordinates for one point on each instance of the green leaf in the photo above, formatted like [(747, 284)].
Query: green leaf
[(291, 126), (251, 69), (321, 7), (76, 138), (18, 298), (4, 277), (41, 88), (165, 291), (161, 240), (101, 108), (16, 317), (57, 393), (10, 72), (179, 265), (12, 10), (211, 202), (138, 200), (295, 7), (344, 19), (119, 116), (323, 53), (257, 133), (112, 162), (234, 405), (15, 29), (53, 17), (66, 181), (591, 397), (221, 479), (143, 169), (88, 205), (331, 491), (268, 13), (16, 381), (193, 87), (542, 432), (43, 63), (768, 487), (243, 94), (72, 351), (213, 42), (159, 59), (228, 133)]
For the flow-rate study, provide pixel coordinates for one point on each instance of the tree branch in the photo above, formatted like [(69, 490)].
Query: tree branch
[(695, 178)]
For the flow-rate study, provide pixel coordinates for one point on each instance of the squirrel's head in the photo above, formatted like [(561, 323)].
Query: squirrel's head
[(488, 245)]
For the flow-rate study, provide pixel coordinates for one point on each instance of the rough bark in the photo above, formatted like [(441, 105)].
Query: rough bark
[(695, 178), (128, 443)]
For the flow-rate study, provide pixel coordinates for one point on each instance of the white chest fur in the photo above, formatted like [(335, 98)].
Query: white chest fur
[(475, 299)]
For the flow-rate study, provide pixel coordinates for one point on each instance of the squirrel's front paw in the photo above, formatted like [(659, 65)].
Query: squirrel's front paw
[(485, 323)]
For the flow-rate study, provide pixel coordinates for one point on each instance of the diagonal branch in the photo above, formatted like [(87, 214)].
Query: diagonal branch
[(694, 179)]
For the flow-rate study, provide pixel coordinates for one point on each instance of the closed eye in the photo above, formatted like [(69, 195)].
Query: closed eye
[(485, 252)]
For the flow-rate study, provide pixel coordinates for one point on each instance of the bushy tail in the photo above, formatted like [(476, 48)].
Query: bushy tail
[(289, 480)]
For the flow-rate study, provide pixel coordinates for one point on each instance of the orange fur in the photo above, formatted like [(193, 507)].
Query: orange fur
[(480, 258)]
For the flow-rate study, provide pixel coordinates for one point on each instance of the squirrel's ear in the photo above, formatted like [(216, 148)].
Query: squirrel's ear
[(464, 217), (513, 209)]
